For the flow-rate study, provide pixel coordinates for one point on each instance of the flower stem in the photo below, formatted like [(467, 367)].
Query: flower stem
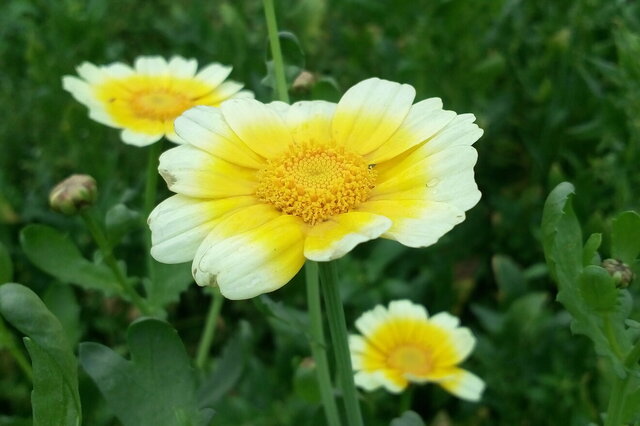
[(8, 342), (102, 242), (204, 346), (338, 329), (276, 52), (150, 191), (318, 346)]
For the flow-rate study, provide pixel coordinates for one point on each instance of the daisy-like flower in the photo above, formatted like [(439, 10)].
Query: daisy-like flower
[(260, 188), (145, 100), (401, 344)]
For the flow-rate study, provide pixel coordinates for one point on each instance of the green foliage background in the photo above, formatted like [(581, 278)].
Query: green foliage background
[(555, 85)]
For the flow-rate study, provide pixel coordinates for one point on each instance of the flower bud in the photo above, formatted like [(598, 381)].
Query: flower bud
[(73, 194), (303, 81), (621, 272)]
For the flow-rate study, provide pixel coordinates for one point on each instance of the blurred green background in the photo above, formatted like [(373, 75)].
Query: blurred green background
[(555, 85)]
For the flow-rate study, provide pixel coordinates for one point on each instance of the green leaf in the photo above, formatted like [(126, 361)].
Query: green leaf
[(170, 282), (283, 317), (118, 221), (62, 302), (55, 398), (6, 265), (562, 241), (55, 254), (157, 387), (305, 382), (14, 421), (590, 254), (292, 56), (408, 418), (509, 277), (228, 368), (598, 289), (625, 237)]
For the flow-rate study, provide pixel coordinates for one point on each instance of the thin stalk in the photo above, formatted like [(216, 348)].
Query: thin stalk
[(276, 52), (204, 346), (338, 329), (9, 343), (104, 246), (318, 346), (150, 191)]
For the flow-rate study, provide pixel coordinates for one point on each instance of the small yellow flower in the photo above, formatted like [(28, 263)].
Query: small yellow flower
[(260, 188), (401, 344), (145, 100)]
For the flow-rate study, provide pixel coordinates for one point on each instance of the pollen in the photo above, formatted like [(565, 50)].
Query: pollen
[(159, 104), (315, 182)]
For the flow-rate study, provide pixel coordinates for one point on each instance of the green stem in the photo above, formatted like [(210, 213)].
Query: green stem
[(101, 240), (318, 345), (276, 52), (9, 343), (204, 346), (406, 400), (620, 388), (611, 337), (338, 329), (150, 191)]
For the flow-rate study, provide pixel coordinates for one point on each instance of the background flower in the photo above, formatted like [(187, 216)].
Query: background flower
[(145, 100), (401, 344), (262, 187)]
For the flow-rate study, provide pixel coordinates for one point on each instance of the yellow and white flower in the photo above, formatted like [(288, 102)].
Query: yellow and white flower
[(145, 100), (401, 344), (260, 188)]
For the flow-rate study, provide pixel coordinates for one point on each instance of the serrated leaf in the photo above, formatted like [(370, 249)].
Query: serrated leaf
[(169, 282), (228, 368), (118, 221), (290, 320), (590, 254), (625, 237), (55, 398), (157, 387), (6, 265), (509, 277), (598, 289), (408, 418), (55, 254)]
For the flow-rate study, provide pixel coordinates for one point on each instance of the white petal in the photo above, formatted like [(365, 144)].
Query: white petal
[(310, 121), (465, 385), (260, 127), (424, 120), (205, 128), (338, 235), (151, 65), (138, 139), (214, 74), (407, 309), (260, 259), (179, 224), (370, 321), (182, 68), (196, 173), (370, 112)]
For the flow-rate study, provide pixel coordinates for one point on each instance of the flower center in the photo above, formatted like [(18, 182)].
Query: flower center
[(315, 182), (410, 359), (159, 104)]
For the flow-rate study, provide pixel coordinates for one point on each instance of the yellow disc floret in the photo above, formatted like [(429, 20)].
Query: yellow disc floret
[(315, 182), (159, 104)]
